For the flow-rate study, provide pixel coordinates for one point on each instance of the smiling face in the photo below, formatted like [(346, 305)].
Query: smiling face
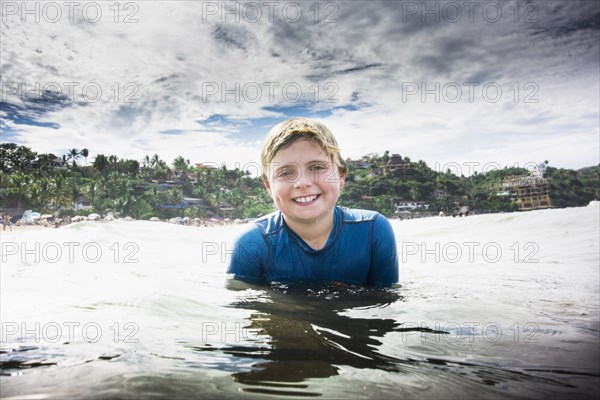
[(304, 183)]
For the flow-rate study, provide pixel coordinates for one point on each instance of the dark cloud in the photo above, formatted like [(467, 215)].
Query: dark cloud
[(166, 78), (29, 115), (585, 23), (557, 19), (232, 36), (350, 70)]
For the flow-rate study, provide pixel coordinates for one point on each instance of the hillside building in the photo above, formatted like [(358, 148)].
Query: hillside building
[(527, 192)]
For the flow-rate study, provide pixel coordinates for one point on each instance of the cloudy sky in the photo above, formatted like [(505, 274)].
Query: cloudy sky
[(481, 83)]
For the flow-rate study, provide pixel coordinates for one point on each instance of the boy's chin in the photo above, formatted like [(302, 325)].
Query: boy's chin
[(306, 221), (308, 217)]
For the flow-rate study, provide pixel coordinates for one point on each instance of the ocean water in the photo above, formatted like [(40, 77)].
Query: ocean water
[(489, 306)]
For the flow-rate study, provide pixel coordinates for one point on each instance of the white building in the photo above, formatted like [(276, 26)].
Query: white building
[(410, 206)]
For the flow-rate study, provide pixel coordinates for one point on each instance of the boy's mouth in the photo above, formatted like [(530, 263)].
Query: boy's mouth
[(305, 200)]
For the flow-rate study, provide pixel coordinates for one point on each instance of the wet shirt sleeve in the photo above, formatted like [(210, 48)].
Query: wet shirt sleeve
[(249, 256), (384, 258)]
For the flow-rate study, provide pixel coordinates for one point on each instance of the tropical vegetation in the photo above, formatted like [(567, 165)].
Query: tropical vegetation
[(154, 188)]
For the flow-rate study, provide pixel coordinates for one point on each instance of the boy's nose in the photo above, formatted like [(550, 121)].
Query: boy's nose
[(305, 178)]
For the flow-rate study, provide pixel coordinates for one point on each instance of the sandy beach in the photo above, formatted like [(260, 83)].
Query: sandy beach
[(22, 228)]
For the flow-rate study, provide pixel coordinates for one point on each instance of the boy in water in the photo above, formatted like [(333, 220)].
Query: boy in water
[(309, 238)]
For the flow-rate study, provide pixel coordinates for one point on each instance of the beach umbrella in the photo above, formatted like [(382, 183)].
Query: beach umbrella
[(93, 216), (109, 218), (128, 219), (154, 219), (45, 216)]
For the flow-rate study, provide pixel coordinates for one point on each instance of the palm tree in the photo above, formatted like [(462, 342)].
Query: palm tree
[(100, 163), (145, 168), (160, 170), (413, 192), (41, 192), (153, 196), (19, 185), (181, 165), (121, 204), (61, 191), (90, 190), (85, 153), (73, 154), (386, 157)]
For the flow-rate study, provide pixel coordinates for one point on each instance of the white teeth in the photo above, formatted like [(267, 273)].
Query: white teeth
[(305, 199)]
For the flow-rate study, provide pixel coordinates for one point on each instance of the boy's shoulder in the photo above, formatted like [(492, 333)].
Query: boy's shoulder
[(265, 225), (273, 223), (270, 222), (356, 215)]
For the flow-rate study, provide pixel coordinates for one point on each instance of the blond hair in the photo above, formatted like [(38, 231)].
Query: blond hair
[(287, 132)]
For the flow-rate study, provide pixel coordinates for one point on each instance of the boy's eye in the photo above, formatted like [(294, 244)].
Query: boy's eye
[(317, 167), (285, 174)]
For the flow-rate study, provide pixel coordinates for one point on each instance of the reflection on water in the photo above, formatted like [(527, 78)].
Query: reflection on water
[(309, 338), (296, 333)]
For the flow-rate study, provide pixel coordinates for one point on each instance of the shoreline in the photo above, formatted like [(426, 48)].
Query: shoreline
[(23, 228), (33, 228), (220, 224)]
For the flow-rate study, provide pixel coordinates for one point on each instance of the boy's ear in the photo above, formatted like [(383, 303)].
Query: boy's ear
[(342, 180), (342, 175), (267, 185)]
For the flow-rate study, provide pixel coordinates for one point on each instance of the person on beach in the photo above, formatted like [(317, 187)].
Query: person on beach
[(6, 222), (310, 238)]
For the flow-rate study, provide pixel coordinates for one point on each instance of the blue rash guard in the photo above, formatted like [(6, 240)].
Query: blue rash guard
[(361, 250)]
